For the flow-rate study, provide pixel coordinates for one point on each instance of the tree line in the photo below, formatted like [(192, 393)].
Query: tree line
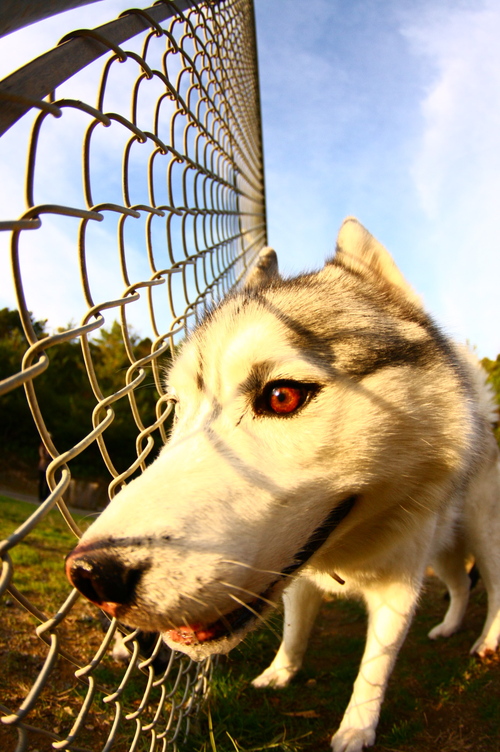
[(66, 398), (492, 368)]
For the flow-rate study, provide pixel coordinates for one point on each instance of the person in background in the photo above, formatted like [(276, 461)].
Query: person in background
[(44, 459)]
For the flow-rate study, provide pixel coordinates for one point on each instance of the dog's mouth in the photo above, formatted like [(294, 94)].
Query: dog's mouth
[(226, 626), (229, 625)]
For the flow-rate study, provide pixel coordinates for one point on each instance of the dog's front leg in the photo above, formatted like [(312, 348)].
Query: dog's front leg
[(301, 601), (390, 610)]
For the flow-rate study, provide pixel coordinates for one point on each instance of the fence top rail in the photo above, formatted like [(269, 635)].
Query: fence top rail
[(39, 78), (16, 14)]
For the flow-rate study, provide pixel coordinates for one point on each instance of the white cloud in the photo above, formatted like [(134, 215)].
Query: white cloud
[(456, 167), (461, 109)]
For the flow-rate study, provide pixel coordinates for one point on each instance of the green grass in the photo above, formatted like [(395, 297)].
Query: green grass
[(42, 551)]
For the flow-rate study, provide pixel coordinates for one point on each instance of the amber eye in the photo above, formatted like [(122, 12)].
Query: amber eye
[(285, 399)]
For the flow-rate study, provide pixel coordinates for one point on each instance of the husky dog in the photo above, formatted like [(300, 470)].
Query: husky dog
[(328, 438)]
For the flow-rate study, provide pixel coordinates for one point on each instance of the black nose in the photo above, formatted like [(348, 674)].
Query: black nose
[(102, 578)]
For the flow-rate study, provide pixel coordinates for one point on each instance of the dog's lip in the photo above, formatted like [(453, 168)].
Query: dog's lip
[(227, 625), (195, 634)]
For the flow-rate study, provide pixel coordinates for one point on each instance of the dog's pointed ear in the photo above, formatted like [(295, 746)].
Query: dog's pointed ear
[(358, 251), (264, 270)]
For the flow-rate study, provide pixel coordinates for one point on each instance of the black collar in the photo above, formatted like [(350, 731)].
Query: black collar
[(320, 535)]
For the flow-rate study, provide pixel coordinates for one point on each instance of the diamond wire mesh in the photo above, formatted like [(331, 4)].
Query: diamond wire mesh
[(179, 179)]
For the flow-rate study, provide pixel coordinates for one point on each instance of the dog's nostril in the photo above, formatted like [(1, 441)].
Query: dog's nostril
[(102, 578)]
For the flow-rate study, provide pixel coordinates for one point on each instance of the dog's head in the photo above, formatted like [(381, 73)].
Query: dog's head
[(296, 421)]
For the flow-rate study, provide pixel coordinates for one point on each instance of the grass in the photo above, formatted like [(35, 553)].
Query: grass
[(439, 697)]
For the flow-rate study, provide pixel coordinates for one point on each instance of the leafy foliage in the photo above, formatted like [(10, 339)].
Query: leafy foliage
[(66, 398), (492, 367)]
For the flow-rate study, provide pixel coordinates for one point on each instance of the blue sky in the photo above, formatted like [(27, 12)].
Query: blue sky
[(388, 110)]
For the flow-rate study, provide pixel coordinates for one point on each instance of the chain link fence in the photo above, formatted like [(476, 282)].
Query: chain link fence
[(144, 205)]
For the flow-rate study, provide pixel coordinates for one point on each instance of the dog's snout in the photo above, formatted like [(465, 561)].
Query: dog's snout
[(102, 578)]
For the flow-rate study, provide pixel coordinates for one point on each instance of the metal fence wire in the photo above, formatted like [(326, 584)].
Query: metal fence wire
[(144, 204)]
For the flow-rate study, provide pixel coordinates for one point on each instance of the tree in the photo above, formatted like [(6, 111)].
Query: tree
[(492, 367), (111, 364), (66, 398), (18, 433)]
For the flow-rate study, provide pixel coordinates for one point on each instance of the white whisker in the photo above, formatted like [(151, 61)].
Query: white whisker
[(256, 614), (418, 503), (255, 569), (200, 602), (250, 592)]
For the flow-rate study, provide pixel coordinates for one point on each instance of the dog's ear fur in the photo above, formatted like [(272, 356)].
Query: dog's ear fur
[(265, 269), (358, 251)]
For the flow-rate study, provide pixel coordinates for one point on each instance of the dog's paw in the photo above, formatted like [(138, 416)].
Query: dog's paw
[(352, 739), (484, 646), (442, 630), (274, 677)]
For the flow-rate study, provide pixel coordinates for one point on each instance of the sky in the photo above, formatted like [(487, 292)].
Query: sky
[(388, 110)]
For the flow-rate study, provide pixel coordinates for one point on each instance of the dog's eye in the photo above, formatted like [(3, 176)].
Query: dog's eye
[(284, 398)]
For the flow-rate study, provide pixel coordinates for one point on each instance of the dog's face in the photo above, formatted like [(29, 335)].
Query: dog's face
[(296, 422)]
